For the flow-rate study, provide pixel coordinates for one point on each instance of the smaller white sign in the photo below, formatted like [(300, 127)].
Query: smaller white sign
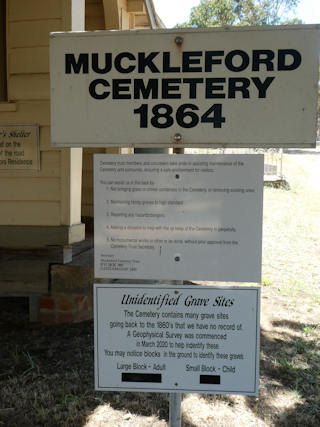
[(200, 339), (186, 217)]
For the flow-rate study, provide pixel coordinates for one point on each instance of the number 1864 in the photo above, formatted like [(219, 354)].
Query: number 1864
[(187, 116)]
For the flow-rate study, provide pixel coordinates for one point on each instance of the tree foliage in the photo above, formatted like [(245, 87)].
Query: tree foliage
[(217, 13), (213, 13)]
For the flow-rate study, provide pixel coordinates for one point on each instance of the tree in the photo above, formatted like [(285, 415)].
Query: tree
[(217, 13), (213, 13)]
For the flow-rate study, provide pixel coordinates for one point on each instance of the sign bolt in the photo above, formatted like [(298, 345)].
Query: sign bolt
[(178, 40), (177, 258), (177, 137)]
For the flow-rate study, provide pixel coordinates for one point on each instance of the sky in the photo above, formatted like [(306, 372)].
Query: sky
[(177, 11)]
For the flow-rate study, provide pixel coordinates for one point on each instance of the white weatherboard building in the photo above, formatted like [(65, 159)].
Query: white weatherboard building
[(46, 194)]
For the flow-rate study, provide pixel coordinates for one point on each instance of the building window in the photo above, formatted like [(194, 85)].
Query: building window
[(3, 52)]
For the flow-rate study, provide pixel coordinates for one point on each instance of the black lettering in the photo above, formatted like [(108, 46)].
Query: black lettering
[(107, 63), (192, 86), (262, 57), (118, 62), (283, 54), (142, 91), (169, 85), (212, 86), (238, 85), (162, 120), (76, 66), (187, 60), (166, 64), (262, 86), (93, 89), (121, 85), (147, 61), (244, 60), (209, 61)]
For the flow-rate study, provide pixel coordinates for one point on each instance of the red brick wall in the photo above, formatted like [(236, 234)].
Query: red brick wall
[(65, 308)]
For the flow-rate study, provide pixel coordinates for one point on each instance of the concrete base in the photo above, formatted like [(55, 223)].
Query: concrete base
[(18, 236), (59, 288)]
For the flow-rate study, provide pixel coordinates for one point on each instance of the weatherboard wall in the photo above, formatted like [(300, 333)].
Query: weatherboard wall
[(131, 15), (50, 196)]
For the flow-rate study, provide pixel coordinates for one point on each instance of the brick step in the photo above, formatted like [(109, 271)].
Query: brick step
[(65, 308)]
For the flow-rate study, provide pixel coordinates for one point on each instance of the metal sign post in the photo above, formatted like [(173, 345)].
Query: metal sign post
[(175, 410), (175, 399), (178, 89)]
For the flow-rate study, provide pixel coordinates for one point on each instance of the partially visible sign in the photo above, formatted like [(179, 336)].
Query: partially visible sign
[(186, 217), (235, 87), (19, 147), (198, 339)]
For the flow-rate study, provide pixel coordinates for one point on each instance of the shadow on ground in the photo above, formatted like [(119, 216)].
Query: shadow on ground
[(46, 377), (289, 366), (293, 361)]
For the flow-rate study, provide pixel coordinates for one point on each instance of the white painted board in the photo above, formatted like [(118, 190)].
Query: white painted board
[(199, 339), (234, 87), (186, 217)]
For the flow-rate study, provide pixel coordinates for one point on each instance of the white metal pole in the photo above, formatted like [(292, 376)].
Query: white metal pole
[(175, 398), (175, 410)]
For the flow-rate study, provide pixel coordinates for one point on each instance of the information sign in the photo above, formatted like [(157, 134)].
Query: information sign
[(235, 87), (192, 217), (19, 147), (199, 339)]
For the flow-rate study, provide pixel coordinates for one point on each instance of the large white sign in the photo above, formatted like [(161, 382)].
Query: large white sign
[(177, 339), (193, 217), (235, 87)]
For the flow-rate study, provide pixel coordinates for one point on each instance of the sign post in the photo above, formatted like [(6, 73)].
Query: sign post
[(132, 218), (181, 217), (175, 399), (175, 410)]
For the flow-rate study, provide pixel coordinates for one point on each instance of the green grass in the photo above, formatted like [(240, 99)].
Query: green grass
[(266, 281), (292, 234)]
